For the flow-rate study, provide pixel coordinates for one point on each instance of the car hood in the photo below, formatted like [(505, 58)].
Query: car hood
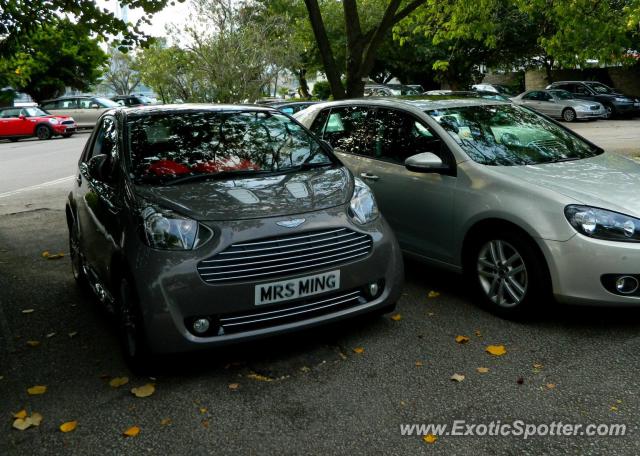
[(254, 197), (608, 181), (58, 117)]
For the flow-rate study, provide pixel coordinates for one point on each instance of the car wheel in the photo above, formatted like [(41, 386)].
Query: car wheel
[(77, 264), (14, 139), (130, 329), (508, 274), (569, 115), (43, 132), (609, 111)]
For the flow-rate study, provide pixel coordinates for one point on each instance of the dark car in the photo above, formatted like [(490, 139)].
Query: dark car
[(292, 107), (132, 100), (614, 102), (17, 123), (203, 225)]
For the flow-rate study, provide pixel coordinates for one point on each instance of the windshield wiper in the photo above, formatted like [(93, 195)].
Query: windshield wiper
[(213, 176), (305, 166)]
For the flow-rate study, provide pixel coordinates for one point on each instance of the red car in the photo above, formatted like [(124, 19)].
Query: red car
[(16, 123)]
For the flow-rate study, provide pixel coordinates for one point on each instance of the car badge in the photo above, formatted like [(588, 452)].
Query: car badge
[(291, 223)]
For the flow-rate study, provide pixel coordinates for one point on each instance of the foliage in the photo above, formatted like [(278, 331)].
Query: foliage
[(322, 90), (169, 72), (121, 74), (51, 58)]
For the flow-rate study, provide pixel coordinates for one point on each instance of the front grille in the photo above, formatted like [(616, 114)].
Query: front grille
[(285, 255), (68, 122), (289, 312)]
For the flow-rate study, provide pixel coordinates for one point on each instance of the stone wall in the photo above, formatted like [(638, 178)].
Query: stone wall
[(626, 80)]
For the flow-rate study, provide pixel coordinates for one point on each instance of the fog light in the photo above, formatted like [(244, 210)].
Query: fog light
[(626, 284), (201, 325)]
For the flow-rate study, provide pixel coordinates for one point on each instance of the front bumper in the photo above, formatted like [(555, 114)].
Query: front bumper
[(64, 129), (172, 293), (589, 114), (578, 265)]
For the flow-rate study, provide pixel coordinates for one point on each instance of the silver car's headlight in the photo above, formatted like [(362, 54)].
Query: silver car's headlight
[(363, 208), (169, 231), (603, 224)]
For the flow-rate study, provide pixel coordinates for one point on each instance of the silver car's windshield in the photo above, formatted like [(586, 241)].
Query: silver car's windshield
[(184, 145), (507, 135)]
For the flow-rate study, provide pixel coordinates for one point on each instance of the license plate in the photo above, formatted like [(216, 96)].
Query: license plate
[(286, 290)]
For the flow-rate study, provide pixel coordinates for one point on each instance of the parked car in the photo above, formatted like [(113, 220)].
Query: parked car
[(292, 107), (207, 225), (388, 90), (560, 104), (17, 123), (84, 109), (495, 88), (467, 94), (132, 100), (525, 207), (614, 103)]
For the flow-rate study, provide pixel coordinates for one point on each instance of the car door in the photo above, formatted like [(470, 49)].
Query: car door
[(530, 99), (97, 201), (12, 125), (547, 105)]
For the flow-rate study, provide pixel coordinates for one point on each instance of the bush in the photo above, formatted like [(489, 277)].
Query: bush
[(321, 90)]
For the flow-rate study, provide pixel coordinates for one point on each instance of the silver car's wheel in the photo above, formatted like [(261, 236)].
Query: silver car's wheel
[(609, 112), (502, 273), (569, 115)]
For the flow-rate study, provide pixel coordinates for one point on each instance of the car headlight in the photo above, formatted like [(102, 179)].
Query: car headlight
[(363, 208), (53, 121), (622, 99), (169, 231), (602, 224)]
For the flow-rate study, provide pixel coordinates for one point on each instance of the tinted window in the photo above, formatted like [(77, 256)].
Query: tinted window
[(67, 104), (106, 139), (319, 122), (351, 130), (190, 143), (509, 135), (582, 90), (7, 113), (531, 96)]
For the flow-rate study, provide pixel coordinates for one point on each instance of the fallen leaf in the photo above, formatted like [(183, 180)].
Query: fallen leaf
[(68, 426), (457, 377), (55, 256), (22, 414), (118, 382), (618, 401), (36, 418), (482, 370), (22, 423), (358, 350), (478, 333), (73, 333), (418, 363), (305, 369), (614, 408), (496, 350), (430, 438), (433, 294), (551, 385), (1, 377), (342, 356), (45, 254), (33, 343), (132, 431), (203, 410), (259, 377), (35, 390), (462, 339), (144, 391), (205, 424), (165, 421), (50, 335), (396, 317), (537, 366), (431, 314), (234, 386), (28, 311), (520, 381), (403, 403)]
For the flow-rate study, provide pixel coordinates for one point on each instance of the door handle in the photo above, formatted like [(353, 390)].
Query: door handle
[(369, 176)]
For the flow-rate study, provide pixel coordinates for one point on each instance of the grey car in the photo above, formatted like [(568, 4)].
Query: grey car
[(85, 109), (615, 103), (523, 206), (200, 226), (561, 104)]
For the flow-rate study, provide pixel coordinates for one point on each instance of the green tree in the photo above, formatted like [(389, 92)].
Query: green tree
[(53, 57), (169, 72), (121, 74)]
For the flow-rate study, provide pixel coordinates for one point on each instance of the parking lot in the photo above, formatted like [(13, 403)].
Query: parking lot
[(334, 390)]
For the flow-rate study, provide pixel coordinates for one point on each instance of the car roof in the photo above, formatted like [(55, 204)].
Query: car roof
[(189, 107), (69, 97), (420, 103)]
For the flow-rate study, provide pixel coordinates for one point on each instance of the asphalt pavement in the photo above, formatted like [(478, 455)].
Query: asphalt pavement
[(336, 390)]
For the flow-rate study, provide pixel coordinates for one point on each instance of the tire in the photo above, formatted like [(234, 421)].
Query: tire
[(67, 135), (130, 330), (507, 273), (610, 111), (43, 132), (77, 264), (14, 139), (569, 115)]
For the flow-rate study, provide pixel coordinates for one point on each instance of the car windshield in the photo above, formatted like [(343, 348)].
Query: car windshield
[(599, 88), (106, 103), (172, 146), (562, 94), (508, 135), (34, 112)]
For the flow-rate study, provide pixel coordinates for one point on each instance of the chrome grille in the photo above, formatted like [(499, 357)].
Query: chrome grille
[(285, 255), (289, 312)]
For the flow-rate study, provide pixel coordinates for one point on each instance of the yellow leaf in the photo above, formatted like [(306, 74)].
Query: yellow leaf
[(33, 343), (430, 438), (205, 424), (56, 256), (259, 377), (45, 254), (203, 410), (551, 385), (618, 401), (144, 391), (132, 431), (22, 423), (462, 339), (537, 366), (478, 333), (234, 386), (496, 350), (482, 370), (457, 377), (38, 389), (165, 421), (614, 408), (396, 317), (68, 426), (36, 418), (22, 414), (418, 363), (433, 294), (358, 350), (118, 381)]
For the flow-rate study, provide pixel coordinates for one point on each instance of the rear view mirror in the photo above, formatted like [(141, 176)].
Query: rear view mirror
[(426, 162)]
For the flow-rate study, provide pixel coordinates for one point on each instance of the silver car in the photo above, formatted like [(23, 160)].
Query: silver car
[(84, 109), (523, 206), (560, 104)]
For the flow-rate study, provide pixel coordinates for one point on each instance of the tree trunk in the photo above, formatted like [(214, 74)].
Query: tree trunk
[(303, 89), (548, 67)]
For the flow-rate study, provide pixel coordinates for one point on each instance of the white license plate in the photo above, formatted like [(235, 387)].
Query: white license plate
[(286, 290)]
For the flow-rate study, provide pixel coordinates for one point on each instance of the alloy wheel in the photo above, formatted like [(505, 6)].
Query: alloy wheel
[(569, 115), (43, 132), (502, 273)]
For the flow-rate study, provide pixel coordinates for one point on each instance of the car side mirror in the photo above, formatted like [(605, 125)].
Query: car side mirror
[(426, 162), (97, 167), (22, 117)]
